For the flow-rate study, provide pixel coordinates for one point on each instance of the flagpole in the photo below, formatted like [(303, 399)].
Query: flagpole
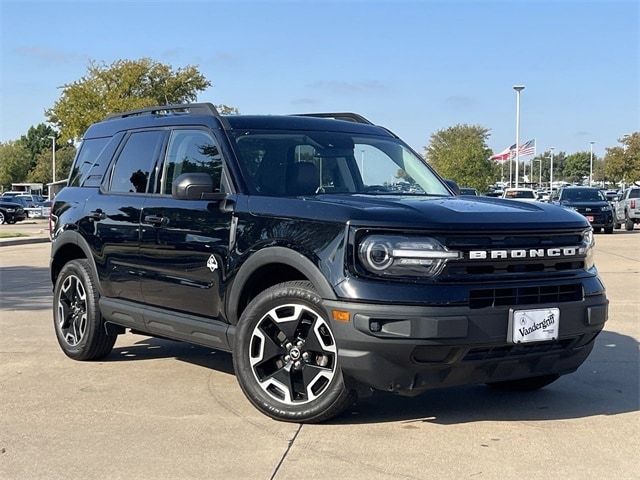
[(518, 89)]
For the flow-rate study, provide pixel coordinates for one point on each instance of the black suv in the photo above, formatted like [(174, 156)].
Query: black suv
[(322, 251), (591, 203)]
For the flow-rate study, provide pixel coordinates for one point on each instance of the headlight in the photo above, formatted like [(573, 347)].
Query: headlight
[(11, 210), (588, 242), (606, 208), (395, 255)]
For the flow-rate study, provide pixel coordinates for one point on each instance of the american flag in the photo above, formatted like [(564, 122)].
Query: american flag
[(527, 148)]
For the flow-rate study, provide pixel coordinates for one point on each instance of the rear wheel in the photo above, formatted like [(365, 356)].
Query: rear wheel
[(525, 384), (608, 230), (77, 320), (617, 226), (286, 358), (628, 223)]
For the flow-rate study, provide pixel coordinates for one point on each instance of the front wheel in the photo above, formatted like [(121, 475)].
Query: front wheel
[(286, 358), (2, 218), (525, 384), (608, 230)]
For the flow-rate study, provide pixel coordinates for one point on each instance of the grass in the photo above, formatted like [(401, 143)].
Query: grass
[(12, 234)]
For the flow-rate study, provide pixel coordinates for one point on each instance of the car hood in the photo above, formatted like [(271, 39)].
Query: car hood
[(592, 204), (442, 213)]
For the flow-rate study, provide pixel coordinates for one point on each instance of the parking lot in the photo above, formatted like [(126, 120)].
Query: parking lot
[(161, 409)]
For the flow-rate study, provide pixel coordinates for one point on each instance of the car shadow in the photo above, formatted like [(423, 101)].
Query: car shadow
[(608, 383), (152, 348), (25, 288)]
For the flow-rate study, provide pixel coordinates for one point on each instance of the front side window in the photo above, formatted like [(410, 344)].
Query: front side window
[(301, 163), (191, 151), (134, 165)]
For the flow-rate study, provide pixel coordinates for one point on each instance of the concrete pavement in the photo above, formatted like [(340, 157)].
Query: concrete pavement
[(160, 409)]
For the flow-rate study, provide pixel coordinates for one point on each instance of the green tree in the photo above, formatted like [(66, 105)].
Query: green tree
[(15, 161), (41, 172), (37, 139), (576, 166), (461, 154), (559, 159), (622, 163), (120, 86)]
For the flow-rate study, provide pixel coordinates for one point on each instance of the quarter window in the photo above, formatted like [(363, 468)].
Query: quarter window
[(135, 163), (191, 151)]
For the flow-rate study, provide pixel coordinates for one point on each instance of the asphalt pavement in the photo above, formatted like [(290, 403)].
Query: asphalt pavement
[(165, 410)]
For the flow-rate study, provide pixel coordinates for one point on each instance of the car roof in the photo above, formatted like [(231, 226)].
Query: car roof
[(110, 127)]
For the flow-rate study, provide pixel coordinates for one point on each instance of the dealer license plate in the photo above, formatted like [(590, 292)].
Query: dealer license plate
[(590, 218), (539, 325)]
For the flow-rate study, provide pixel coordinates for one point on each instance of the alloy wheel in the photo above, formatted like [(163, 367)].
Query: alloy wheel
[(72, 310), (293, 354)]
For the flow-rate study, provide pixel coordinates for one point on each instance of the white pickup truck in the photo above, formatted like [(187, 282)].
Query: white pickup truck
[(628, 208)]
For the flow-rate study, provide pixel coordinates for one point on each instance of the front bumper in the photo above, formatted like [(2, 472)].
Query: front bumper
[(408, 349)]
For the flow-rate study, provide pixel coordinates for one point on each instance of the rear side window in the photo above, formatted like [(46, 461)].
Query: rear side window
[(86, 159), (191, 151), (136, 161), (634, 193)]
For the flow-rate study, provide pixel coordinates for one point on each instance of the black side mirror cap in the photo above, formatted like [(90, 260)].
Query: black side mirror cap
[(453, 186), (192, 186)]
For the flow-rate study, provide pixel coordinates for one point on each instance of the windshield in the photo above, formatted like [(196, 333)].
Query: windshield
[(582, 195), (519, 194), (295, 163)]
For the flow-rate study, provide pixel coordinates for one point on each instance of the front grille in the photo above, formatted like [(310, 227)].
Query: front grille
[(503, 351), (468, 269), (497, 297)]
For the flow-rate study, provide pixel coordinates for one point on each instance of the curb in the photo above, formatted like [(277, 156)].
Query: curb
[(23, 241)]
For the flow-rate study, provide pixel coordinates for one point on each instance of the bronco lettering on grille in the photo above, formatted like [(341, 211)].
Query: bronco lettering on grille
[(558, 252)]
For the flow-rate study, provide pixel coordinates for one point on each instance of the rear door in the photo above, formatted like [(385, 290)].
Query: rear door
[(111, 223), (185, 243)]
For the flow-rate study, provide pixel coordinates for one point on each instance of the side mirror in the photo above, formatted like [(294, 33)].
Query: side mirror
[(192, 186), (453, 186)]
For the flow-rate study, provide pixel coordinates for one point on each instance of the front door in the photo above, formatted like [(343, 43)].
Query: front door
[(185, 243)]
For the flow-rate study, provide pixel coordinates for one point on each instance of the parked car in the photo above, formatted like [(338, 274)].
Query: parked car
[(521, 194), (468, 191), (29, 205), (265, 236), (11, 212), (591, 203), (627, 209)]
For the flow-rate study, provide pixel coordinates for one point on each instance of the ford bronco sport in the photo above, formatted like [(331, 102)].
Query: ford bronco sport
[(319, 249)]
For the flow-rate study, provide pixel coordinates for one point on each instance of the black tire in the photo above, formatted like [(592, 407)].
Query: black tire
[(2, 217), (617, 226), (94, 342), (628, 223), (525, 384), (608, 230), (332, 398)]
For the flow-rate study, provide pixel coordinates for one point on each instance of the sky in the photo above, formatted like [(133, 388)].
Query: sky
[(414, 67)]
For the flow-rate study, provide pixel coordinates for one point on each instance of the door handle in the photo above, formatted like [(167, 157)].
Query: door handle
[(156, 220), (97, 215)]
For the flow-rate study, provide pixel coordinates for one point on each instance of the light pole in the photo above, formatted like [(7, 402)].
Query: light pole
[(53, 161), (518, 89), (591, 163), (551, 174)]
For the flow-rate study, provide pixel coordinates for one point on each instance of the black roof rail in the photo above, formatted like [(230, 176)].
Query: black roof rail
[(191, 108), (346, 116)]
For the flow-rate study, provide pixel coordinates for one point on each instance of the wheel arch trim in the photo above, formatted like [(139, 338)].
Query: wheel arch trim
[(275, 255)]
